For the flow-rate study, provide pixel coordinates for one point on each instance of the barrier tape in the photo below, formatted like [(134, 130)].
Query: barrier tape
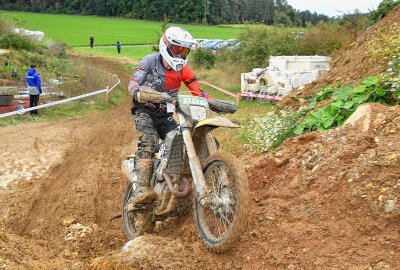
[(219, 89), (22, 111), (269, 97), (238, 96)]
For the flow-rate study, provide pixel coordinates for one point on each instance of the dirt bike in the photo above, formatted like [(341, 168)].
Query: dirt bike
[(188, 157)]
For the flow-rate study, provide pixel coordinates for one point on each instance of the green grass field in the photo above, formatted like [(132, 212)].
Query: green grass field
[(75, 30), (132, 52)]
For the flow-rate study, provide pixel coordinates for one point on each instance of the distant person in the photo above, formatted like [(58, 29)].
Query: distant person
[(34, 87), (119, 46), (91, 41)]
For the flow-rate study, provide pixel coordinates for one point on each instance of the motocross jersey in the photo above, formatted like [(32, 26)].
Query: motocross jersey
[(152, 73)]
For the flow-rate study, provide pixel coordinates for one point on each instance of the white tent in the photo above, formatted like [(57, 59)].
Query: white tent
[(35, 35)]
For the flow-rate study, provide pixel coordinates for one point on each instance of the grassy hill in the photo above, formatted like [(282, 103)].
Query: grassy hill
[(75, 30)]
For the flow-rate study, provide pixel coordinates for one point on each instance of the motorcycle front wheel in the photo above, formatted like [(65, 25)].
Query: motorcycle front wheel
[(135, 223), (222, 223)]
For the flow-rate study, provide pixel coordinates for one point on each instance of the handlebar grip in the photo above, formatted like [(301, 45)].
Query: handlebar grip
[(222, 106), (146, 94)]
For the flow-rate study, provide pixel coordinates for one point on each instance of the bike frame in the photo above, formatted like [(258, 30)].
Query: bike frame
[(194, 161)]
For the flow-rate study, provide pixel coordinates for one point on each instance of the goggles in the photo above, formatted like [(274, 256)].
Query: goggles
[(178, 51)]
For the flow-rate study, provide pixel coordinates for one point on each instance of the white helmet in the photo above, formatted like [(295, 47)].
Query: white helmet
[(175, 45)]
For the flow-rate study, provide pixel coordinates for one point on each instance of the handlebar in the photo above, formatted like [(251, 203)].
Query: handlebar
[(146, 94)]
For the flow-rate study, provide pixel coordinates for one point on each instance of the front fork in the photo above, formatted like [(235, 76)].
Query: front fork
[(195, 165)]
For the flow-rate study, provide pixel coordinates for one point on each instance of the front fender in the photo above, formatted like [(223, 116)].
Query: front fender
[(201, 131), (216, 122)]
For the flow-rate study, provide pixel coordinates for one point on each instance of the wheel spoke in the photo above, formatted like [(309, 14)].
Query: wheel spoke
[(223, 222), (226, 219), (219, 226)]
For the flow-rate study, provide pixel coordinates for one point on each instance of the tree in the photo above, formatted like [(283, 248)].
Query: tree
[(281, 18)]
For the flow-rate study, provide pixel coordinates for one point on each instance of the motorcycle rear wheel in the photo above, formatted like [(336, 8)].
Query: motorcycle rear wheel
[(135, 223), (222, 223)]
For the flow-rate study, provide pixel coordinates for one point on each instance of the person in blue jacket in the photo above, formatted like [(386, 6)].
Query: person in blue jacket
[(34, 87)]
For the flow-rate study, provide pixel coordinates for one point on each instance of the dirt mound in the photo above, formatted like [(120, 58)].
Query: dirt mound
[(149, 252), (350, 65), (21, 253), (321, 201), (330, 200)]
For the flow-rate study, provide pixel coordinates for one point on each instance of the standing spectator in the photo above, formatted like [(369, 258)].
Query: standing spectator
[(119, 46), (91, 40), (34, 87)]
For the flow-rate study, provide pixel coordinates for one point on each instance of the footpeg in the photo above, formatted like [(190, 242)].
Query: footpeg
[(141, 207)]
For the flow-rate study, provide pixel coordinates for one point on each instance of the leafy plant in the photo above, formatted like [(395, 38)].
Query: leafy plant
[(324, 94), (345, 101)]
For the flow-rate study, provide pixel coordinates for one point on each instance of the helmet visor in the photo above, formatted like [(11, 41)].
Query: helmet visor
[(179, 51)]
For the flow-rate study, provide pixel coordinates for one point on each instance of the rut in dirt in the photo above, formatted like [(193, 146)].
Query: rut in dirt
[(88, 185)]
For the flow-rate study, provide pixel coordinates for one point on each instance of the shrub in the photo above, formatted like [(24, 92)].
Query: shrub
[(385, 44), (35, 58), (204, 58), (56, 48), (15, 41), (269, 132), (383, 9), (324, 38), (259, 42)]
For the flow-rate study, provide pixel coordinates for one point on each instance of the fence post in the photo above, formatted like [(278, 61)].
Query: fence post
[(108, 99)]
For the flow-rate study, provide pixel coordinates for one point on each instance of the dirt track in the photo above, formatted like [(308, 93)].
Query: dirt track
[(84, 183), (303, 216), (321, 201)]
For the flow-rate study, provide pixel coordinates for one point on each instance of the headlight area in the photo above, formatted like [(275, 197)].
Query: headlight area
[(198, 113)]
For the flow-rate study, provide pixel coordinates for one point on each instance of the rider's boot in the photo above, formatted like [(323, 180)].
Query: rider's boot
[(143, 193)]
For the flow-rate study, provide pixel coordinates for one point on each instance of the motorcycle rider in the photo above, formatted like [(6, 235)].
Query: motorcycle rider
[(163, 72)]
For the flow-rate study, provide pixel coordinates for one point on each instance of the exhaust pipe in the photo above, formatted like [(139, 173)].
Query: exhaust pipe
[(174, 191)]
